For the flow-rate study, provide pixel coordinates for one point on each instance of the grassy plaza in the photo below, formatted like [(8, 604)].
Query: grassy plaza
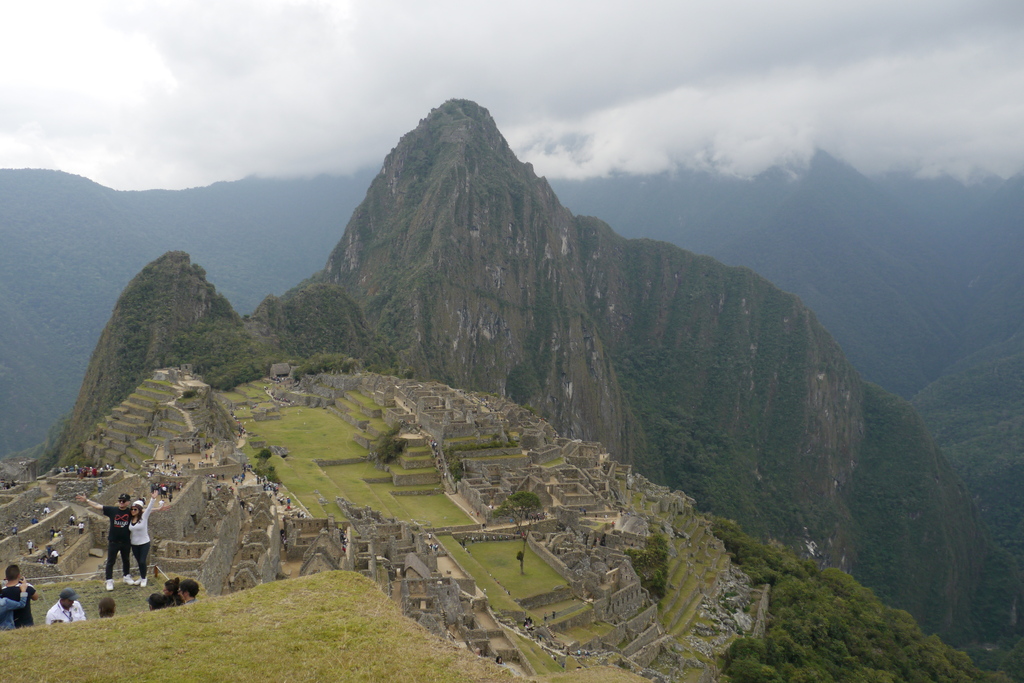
[(312, 434)]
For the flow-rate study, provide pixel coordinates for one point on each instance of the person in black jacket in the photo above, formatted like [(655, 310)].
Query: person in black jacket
[(11, 590), (119, 540)]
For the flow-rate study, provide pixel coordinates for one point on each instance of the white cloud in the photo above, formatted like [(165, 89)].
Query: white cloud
[(177, 93)]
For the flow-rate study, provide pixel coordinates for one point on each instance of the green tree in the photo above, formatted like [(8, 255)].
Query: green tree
[(651, 565), (519, 506), (389, 445), (1013, 663)]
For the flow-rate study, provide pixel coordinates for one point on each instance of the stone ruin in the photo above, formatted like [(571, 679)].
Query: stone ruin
[(595, 509), (154, 419), (224, 541)]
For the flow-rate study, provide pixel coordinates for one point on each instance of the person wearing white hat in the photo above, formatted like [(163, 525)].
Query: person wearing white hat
[(139, 530)]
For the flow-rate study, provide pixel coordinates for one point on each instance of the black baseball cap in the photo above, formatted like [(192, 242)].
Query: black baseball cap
[(124, 496)]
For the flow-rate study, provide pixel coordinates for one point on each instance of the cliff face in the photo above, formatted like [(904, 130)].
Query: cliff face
[(467, 263), (708, 378)]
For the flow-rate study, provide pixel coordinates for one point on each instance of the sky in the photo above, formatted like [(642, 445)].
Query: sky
[(141, 94)]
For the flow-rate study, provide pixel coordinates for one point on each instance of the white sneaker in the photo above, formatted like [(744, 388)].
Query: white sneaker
[(110, 584), (129, 580), (142, 583)]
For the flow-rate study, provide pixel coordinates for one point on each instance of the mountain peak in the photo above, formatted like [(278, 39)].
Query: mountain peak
[(458, 130)]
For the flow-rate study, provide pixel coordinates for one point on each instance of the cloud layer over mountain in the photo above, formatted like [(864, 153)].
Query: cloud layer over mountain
[(183, 93)]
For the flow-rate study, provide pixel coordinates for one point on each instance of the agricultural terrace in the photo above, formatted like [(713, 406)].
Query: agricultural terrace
[(312, 434)]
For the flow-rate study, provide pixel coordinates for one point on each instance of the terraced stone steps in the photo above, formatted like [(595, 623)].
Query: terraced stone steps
[(129, 433)]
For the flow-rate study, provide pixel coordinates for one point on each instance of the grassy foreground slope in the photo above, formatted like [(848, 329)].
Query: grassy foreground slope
[(333, 626)]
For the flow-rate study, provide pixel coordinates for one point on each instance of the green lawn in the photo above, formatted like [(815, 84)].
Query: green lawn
[(498, 598), (310, 434), (438, 509), (499, 560), (363, 400), (396, 468)]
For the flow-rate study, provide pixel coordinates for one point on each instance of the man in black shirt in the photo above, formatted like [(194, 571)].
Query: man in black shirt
[(119, 538), (23, 616)]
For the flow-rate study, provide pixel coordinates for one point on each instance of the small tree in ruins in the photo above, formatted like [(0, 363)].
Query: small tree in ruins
[(519, 506)]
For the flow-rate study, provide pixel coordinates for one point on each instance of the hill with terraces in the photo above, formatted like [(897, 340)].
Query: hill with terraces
[(173, 406), (422, 526), (167, 315)]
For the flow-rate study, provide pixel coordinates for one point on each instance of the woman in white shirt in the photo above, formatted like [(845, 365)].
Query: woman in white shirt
[(138, 527)]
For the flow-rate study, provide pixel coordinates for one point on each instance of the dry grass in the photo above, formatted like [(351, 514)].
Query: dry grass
[(331, 626), (334, 626)]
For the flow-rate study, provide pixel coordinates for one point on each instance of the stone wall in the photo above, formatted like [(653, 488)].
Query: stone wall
[(476, 466), (416, 478), (73, 552), (582, 619), (543, 454), (19, 511), (554, 562), (343, 461), (67, 486), (557, 595), (14, 507), (217, 565), (206, 468), (179, 520), (652, 633)]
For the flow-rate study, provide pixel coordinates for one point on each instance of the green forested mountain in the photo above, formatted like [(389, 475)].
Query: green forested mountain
[(977, 415), (319, 318), (825, 626), (707, 377), (167, 315), (70, 246), (921, 280)]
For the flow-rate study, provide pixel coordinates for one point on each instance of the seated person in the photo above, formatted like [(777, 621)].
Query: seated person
[(67, 609)]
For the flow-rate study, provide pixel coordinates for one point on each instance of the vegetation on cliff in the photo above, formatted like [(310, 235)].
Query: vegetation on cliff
[(825, 626), (319, 320), (976, 416)]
